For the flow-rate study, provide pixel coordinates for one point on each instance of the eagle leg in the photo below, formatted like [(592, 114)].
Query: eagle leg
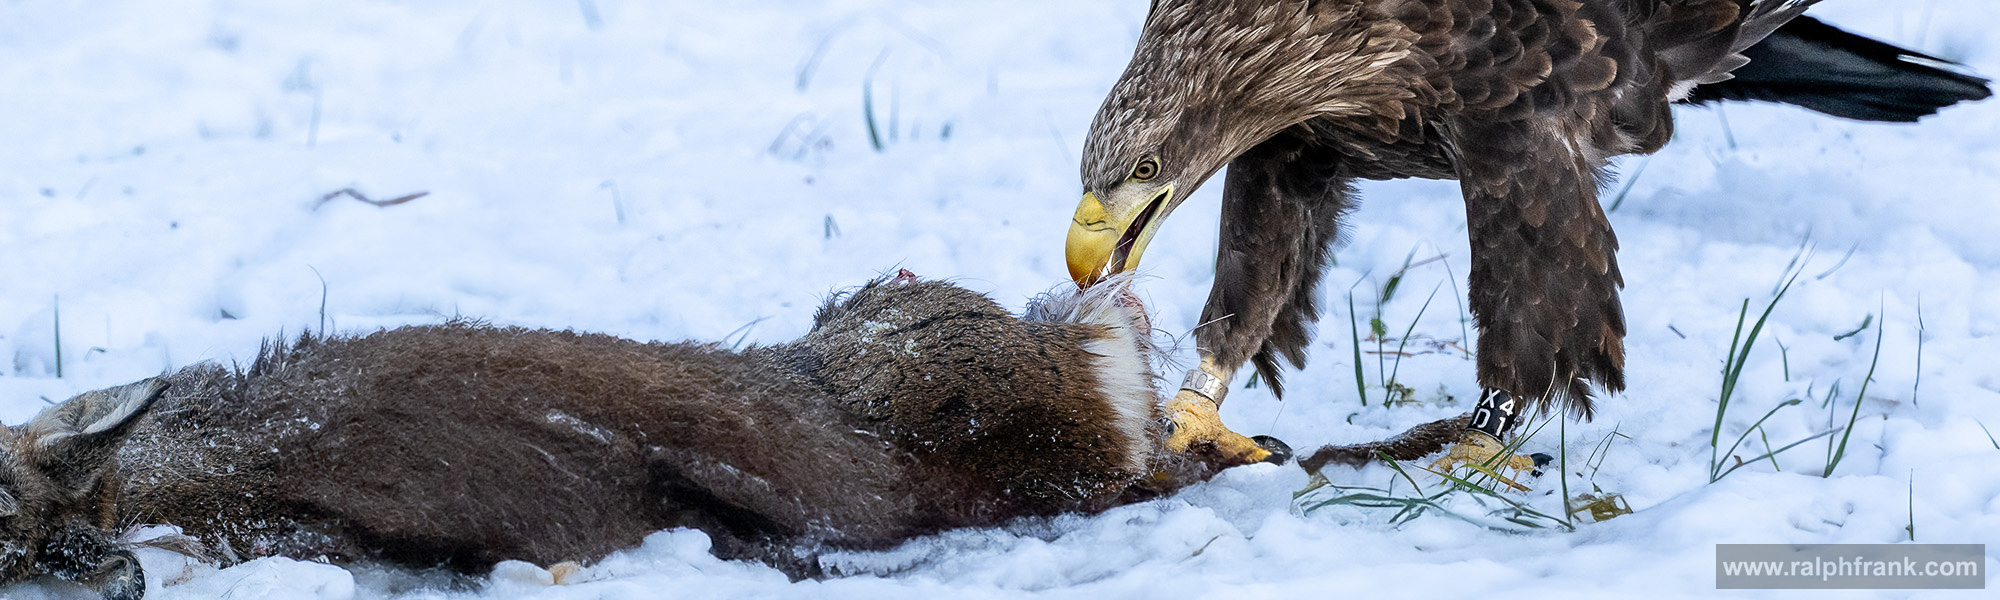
[(1480, 446), (565, 572), (1282, 202), (1281, 206), (1544, 281), (1485, 455), (1198, 429)]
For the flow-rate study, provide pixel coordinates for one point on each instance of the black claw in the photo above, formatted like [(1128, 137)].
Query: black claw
[(1541, 460), (1281, 452)]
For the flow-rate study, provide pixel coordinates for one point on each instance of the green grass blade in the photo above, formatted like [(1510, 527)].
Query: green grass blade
[(1384, 457), (1841, 452), (1758, 426), (1619, 199), (1405, 342), (56, 307), (1767, 449), (1488, 492), (1728, 385), (1778, 451), (1865, 322), (1595, 460), (1734, 366), (1562, 466), (868, 103), (1464, 334), (1354, 333), (1919, 385)]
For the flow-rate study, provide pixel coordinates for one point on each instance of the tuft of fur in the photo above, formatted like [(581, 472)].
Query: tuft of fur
[(1123, 356)]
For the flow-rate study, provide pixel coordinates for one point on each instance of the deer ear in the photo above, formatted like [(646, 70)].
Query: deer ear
[(74, 442), (98, 418)]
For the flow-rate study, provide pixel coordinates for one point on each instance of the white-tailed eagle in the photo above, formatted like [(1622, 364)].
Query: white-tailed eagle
[(1522, 101)]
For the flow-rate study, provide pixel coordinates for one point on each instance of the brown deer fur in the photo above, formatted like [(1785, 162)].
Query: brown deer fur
[(909, 407), (1416, 443)]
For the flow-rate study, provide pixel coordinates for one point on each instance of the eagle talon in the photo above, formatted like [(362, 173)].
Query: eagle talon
[(568, 572), (1281, 452), (1542, 461), (1484, 453), (1197, 427)]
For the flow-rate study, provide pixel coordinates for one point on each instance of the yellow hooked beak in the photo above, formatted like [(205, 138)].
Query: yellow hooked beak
[(1104, 242)]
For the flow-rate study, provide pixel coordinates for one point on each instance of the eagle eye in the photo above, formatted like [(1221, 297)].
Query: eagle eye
[(1147, 168)]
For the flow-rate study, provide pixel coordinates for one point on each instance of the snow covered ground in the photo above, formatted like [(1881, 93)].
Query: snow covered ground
[(691, 169)]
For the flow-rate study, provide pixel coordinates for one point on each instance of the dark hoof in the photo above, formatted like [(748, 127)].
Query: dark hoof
[(119, 578), (1281, 452)]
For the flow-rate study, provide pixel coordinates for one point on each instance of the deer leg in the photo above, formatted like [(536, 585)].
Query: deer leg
[(88, 556), (119, 577)]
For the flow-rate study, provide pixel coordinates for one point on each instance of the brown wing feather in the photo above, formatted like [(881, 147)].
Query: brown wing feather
[(1544, 282)]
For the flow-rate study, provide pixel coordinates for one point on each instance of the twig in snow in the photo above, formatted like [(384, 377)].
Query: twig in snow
[(351, 193)]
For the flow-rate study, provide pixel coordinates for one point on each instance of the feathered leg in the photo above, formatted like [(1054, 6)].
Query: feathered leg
[(1281, 209), (1544, 282)]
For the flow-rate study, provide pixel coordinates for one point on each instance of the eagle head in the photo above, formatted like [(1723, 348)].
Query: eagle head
[(1209, 80), (1150, 144)]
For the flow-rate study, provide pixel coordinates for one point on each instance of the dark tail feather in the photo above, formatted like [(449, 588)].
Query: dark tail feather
[(1815, 65)]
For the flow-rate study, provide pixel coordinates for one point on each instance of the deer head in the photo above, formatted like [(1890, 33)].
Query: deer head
[(59, 488)]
